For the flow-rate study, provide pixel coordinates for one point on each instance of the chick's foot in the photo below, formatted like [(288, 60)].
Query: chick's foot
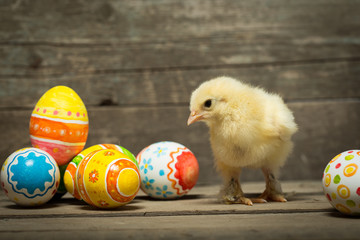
[(233, 199), (273, 191), (232, 193), (271, 195)]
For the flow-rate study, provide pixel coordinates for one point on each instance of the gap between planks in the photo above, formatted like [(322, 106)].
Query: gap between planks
[(168, 214), (192, 68), (186, 104)]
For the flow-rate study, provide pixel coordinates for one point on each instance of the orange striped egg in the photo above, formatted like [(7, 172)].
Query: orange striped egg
[(107, 179), (59, 124)]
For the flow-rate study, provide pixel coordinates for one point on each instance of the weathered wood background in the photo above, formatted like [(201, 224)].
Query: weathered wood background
[(135, 64)]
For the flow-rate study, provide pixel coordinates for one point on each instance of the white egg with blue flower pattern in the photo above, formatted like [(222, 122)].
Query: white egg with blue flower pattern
[(30, 177), (168, 170)]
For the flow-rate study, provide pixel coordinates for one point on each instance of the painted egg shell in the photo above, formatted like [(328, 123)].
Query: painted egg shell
[(30, 177), (107, 179), (59, 124), (168, 170), (61, 191), (341, 182), (70, 174)]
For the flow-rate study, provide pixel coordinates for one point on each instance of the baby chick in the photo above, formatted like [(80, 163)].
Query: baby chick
[(248, 128)]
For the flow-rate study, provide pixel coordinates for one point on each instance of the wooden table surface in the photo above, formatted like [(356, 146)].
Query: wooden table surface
[(198, 215)]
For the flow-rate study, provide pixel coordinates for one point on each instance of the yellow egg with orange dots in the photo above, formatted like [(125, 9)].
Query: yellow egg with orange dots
[(107, 179)]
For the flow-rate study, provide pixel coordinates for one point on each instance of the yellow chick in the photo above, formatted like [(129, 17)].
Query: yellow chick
[(248, 128)]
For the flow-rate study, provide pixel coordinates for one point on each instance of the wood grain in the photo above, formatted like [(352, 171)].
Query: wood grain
[(201, 200), (112, 21), (294, 82), (321, 124), (76, 38), (135, 64), (41, 59), (197, 215)]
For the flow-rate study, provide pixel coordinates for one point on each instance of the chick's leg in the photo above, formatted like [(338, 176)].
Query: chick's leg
[(273, 191), (231, 191)]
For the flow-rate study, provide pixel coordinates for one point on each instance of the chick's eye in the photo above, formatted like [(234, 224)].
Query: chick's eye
[(207, 103)]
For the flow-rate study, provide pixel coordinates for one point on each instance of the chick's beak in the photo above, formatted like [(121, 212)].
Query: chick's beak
[(194, 117)]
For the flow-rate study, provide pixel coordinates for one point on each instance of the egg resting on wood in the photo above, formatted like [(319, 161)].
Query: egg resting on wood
[(168, 170), (70, 173), (107, 179), (341, 182), (30, 177)]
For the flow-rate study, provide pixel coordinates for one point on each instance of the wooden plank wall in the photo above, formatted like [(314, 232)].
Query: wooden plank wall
[(135, 64)]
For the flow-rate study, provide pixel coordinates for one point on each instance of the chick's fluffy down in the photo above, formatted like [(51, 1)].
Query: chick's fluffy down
[(248, 126)]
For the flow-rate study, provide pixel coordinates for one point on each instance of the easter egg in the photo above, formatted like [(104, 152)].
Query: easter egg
[(341, 182), (30, 177), (59, 124), (107, 179), (168, 170), (70, 173)]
